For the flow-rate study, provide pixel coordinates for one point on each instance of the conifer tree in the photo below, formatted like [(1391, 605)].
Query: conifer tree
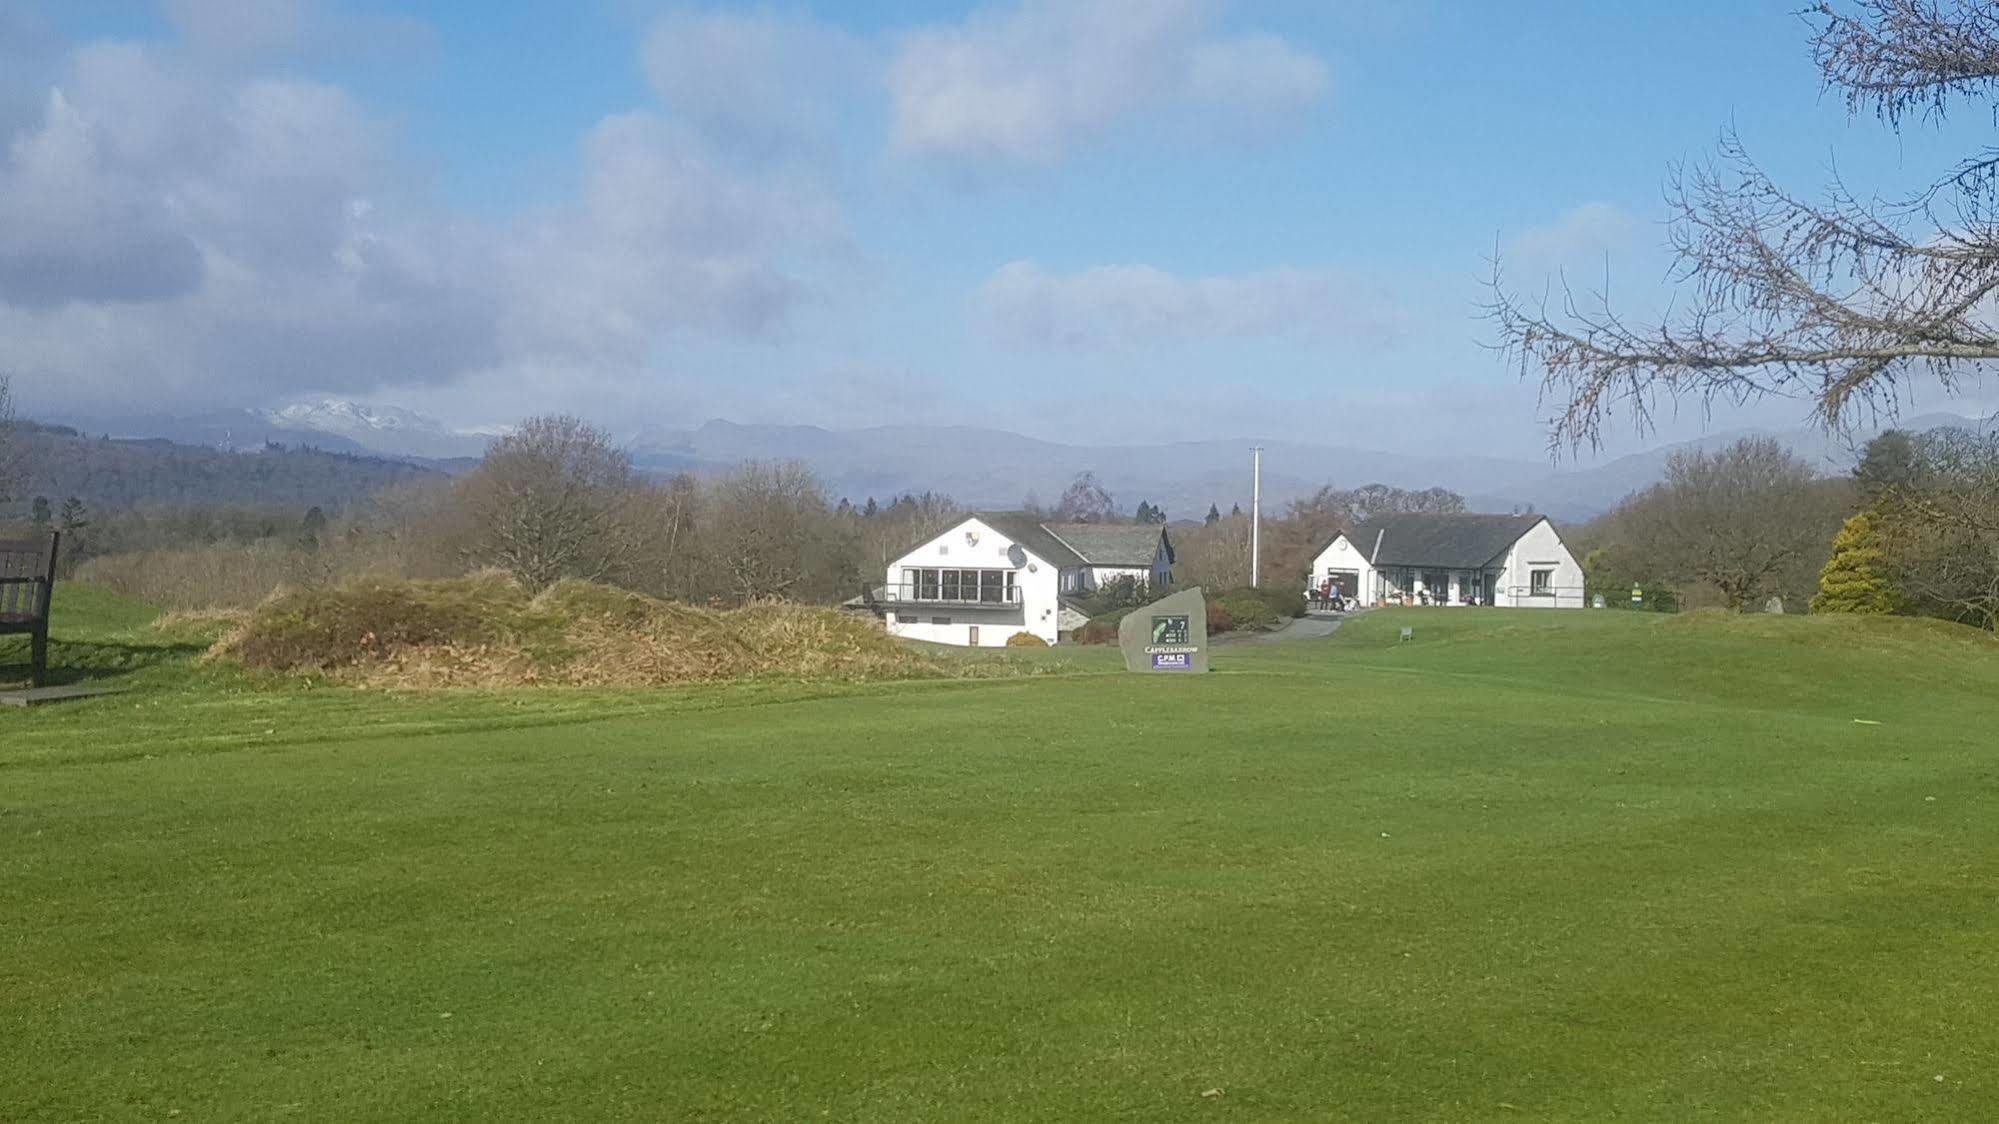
[(1855, 579)]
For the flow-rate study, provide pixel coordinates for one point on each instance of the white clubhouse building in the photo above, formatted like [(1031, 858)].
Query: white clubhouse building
[(1509, 560), (997, 573)]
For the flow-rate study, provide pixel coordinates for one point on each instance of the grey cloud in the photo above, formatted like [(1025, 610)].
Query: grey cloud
[(762, 82), (1021, 85), (1133, 306), (75, 230), (663, 238)]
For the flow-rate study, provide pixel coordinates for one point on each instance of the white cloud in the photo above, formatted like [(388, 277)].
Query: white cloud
[(762, 82), (1581, 236), (1136, 306), (186, 240), (1024, 84), (663, 238)]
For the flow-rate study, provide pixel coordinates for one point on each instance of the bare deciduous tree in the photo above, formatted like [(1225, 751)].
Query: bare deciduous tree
[(906, 521), (1214, 555), (553, 500), (767, 532), (9, 445), (1751, 520), (1835, 300), (1086, 501), (1942, 525)]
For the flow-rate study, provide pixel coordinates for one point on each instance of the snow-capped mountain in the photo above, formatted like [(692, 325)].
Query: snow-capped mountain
[(391, 430)]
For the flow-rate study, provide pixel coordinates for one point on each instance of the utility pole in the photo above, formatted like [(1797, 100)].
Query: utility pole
[(1256, 517)]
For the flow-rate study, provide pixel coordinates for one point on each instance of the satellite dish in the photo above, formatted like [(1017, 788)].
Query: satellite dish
[(1016, 555)]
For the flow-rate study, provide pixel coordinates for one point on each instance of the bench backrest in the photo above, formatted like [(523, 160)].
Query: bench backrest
[(27, 573)]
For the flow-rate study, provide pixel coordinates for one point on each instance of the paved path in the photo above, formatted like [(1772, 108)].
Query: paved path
[(1316, 626)]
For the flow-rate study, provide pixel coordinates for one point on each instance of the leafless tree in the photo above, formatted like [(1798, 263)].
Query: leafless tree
[(553, 500), (768, 533), (1835, 300), (1086, 501), (1941, 521), (671, 563), (1214, 555), (906, 521), (1751, 520), (9, 447)]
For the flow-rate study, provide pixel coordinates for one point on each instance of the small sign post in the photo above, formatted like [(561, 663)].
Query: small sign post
[(1637, 597)]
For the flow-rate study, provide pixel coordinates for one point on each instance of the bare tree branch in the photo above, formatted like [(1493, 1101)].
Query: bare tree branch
[(1836, 302)]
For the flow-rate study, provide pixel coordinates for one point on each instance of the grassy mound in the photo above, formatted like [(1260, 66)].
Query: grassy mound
[(485, 631)]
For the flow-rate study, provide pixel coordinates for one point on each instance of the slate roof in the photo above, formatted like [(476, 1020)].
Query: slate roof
[(1029, 532), (1077, 544), (1112, 544), (1445, 542)]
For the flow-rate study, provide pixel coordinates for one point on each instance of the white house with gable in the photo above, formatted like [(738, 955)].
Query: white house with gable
[(1518, 561), (997, 573)]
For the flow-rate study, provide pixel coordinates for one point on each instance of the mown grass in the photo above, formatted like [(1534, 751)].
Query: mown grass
[(1539, 866)]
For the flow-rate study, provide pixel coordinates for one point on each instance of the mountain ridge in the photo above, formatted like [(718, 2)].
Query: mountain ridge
[(985, 467)]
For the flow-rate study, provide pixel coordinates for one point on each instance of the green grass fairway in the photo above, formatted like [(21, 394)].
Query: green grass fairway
[(1582, 866)]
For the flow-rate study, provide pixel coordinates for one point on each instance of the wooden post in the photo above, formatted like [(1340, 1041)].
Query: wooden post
[(38, 642)]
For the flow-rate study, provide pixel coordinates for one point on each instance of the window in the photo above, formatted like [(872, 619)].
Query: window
[(990, 587), (940, 620), (1540, 583)]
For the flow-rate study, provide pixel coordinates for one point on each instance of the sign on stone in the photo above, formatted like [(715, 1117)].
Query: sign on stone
[(1170, 634)]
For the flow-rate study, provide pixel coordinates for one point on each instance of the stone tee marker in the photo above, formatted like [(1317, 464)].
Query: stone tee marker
[(1168, 635)]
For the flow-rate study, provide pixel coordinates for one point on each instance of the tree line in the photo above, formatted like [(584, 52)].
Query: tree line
[(1914, 528)]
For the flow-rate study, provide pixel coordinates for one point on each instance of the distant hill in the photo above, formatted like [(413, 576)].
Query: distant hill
[(993, 468), (986, 468), (115, 473), (330, 424)]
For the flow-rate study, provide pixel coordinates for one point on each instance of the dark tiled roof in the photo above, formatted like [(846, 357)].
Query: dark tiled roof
[(1111, 544), (1028, 531), (1450, 542)]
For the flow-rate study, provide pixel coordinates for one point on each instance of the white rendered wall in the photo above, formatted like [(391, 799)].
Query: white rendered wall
[(1343, 555), (1036, 581), (1541, 549)]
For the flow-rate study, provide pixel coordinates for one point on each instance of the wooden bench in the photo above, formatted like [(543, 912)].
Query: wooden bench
[(27, 585)]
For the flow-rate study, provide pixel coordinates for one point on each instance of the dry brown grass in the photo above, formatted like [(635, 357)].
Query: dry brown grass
[(485, 631)]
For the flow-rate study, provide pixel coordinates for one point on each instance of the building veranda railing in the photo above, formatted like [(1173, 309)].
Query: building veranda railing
[(995, 588)]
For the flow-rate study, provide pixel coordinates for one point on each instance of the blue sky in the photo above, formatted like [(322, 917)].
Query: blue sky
[(1262, 219)]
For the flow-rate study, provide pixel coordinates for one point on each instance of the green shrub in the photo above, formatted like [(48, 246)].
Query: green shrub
[(1025, 640), (1285, 602), (1247, 608)]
